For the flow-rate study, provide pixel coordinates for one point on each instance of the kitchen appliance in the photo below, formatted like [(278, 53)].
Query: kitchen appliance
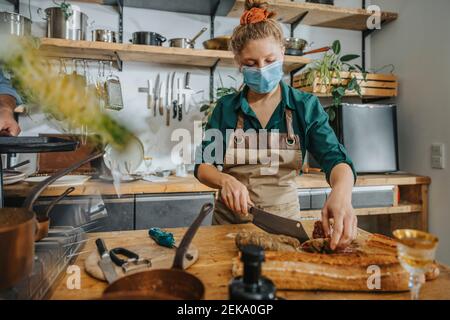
[(104, 35), (185, 42), (278, 225), (174, 283), (148, 38), (369, 134), (60, 26), (14, 24)]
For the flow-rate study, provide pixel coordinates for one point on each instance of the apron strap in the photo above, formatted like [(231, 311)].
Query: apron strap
[(289, 126), (240, 121)]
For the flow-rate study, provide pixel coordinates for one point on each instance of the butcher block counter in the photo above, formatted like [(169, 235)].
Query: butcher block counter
[(216, 250)]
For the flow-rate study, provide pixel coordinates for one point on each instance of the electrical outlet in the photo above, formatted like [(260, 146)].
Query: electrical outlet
[(437, 163), (437, 150), (438, 156)]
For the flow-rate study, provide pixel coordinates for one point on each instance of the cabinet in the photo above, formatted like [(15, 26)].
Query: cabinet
[(170, 210)]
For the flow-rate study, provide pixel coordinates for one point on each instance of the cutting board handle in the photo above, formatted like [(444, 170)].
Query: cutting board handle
[(189, 235)]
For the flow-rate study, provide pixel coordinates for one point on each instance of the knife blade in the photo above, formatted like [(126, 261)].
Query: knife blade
[(278, 225), (168, 102), (157, 93), (105, 262), (161, 99)]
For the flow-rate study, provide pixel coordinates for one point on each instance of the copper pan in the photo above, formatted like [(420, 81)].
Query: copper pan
[(21, 227), (166, 284)]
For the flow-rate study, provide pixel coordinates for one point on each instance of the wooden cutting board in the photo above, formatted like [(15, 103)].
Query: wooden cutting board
[(160, 257), (336, 272)]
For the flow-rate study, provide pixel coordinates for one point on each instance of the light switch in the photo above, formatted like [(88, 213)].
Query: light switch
[(438, 156)]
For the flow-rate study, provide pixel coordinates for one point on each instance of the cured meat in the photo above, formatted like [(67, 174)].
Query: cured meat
[(318, 232), (267, 241)]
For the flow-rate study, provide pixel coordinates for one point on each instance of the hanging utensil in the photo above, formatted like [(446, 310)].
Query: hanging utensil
[(174, 97), (113, 88), (161, 100), (179, 103), (148, 90), (156, 93), (168, 101)]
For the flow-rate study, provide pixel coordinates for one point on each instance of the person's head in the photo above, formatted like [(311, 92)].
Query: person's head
[(258, 47), (258, 40)]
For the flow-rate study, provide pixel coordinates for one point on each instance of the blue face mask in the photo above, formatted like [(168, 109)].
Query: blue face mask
[(263, 80)]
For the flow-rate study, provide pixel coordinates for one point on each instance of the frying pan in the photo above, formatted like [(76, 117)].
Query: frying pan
[(174, 283)]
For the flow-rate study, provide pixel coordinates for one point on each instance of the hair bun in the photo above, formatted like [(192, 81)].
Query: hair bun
[(249, 4)]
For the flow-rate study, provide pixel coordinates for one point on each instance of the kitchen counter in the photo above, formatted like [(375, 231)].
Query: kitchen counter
[(216, 250), (191, 184)]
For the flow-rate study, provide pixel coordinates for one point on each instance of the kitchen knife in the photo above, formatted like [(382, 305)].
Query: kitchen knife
[(161, 100), (173, 97), (150, 97), (180, 104), (157, 91), (105, 262), (168, 102), (278, 225)]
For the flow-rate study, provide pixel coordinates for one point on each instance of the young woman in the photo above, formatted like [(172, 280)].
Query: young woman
[(290, 122)]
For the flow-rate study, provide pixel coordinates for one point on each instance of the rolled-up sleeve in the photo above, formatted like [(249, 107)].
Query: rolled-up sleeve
[(321, 140), (7, 89)]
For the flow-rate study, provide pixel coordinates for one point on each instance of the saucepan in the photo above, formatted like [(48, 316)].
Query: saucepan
[(218, 43), (296, 46), (148, 38), (185, 42), (169, 284), (20, 228)]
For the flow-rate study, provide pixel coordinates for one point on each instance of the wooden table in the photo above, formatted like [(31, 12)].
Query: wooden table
[(216, 250)]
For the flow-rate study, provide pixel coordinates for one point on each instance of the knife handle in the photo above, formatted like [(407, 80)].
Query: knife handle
[(101, 247), (175, 109), (168, 117), (180, 113), (161, 107)]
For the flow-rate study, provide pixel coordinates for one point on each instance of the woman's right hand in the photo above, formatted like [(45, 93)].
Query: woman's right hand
[(235, 195)]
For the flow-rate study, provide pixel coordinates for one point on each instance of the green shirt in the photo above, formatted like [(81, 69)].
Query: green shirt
[(310, 122)]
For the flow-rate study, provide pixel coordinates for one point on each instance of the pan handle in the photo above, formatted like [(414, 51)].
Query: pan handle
[(54, 202), (324, 49), (189, 235)]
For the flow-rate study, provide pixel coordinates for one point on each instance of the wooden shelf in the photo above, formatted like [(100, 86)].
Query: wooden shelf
[(60, 48), (318, 15)]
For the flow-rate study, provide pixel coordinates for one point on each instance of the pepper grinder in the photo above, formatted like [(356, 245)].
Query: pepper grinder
[(252, 286)]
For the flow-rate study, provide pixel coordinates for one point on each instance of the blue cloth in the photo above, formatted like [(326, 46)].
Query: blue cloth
[(6, 88)]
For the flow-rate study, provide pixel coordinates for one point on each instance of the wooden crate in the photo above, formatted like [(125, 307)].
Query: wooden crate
[(376, 85)]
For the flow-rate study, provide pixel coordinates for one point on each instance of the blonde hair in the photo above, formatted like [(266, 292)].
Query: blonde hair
[(264, 26)]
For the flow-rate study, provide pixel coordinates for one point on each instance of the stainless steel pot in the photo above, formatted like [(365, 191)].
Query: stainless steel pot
[(185, 42), (72, 28), (148, 38), (14, 24), (103, 35)]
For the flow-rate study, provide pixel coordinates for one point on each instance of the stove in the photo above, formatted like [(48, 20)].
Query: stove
[(52, 256)]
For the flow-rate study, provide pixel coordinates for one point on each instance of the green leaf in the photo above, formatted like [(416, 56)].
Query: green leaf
[(336, 47), (359, 68), (349, 57), (340, 91), (352, 84)]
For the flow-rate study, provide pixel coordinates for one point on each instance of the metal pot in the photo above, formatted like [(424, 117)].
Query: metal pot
[(14, 24), (295, 43), (21, 227), (185, 42), (103, 35), (73, 28), (148, 38), (218, 43), (174, 283)]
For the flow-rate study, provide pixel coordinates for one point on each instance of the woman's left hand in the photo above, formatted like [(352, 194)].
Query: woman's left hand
[(345, 228)]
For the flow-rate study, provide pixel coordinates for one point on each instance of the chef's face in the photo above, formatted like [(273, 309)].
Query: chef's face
[(260, 53)]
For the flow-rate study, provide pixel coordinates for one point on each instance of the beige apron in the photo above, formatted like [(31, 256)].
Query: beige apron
[(267, 163)]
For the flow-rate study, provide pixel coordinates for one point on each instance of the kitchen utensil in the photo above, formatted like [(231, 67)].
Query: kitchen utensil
[(35, 144), (105, 262), (14, 24), (103, 35), (123, 178), (60, 26), (156, 93), (126, 160), (185, 42), (163, 173), (18, 165), (148, 38), (278, 225), (187, 92), (113, 89), (168, 101), (218, 43), (296, 46), (174, 95), (416, 253), (19, 229), (44, 220), (149, 92), (159, 256), (172, 283), (70, 180), (148, 164), (179, 102), (165, 239), (161, 100), (133, 261)]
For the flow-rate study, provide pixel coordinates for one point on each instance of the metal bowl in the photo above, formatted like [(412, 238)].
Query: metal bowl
[(295, 43)]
